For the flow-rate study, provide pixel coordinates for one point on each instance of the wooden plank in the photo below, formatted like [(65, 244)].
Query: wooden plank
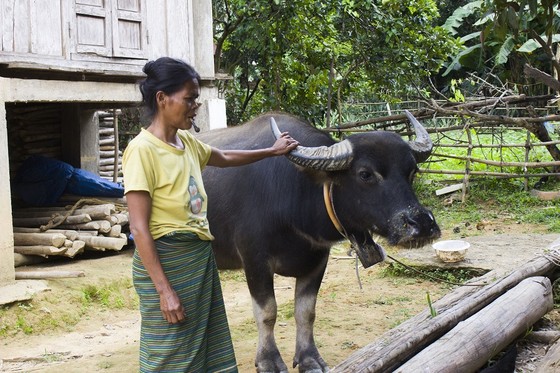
[(22, 38), (46, 27), (449, 189), (470, 344), (7, 25)]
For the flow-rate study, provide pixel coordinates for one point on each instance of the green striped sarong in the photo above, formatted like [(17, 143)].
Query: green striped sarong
[(201, 343)]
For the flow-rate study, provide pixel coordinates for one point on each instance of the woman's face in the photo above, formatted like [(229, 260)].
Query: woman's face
[(179, 109)]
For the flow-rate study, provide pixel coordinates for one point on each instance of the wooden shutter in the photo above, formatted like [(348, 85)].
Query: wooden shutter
[(93, 27), (129, 28)]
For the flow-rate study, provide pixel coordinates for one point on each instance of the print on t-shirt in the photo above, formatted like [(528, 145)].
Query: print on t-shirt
[(196, 197)]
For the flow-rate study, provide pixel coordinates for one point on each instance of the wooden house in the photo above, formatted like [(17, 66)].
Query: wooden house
[(63, 60)]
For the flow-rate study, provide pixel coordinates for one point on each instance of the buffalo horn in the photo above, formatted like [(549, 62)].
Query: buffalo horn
[(323, 158), (422, 147)]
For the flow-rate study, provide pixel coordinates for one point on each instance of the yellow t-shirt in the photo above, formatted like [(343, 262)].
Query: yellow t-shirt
[(173, 177)]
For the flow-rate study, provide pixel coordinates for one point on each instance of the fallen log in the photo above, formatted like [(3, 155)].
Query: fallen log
[(34, 239), (470, 344), (398, 345), (30, 275)]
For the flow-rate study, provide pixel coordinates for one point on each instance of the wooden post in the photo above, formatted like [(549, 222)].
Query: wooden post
[(467, 165), (116, 155)]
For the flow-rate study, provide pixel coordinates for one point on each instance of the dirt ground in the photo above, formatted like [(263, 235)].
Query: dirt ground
[(106, 339)]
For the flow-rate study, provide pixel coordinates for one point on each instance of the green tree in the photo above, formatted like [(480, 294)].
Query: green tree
[(505, 35), (303, 55)]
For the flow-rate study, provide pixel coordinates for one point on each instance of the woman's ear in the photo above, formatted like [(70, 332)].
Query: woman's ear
[(160, 98)]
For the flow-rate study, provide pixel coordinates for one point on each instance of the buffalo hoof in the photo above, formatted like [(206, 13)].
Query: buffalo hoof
[(312, 364), (270, 363)]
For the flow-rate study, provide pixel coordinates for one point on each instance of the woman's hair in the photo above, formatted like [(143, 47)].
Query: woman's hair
[(167, 75)]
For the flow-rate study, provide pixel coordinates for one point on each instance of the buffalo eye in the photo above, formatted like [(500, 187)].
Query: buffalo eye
[(367, 176)]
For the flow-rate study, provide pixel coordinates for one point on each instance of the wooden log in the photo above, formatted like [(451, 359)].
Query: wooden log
[(122, 218), (112, 220), (69, 233), (96, 212), (24, 260), (116, 231), (101, 243), (42, 250), (33, 239), (107, 140), (401, 343), (102, 226), (77, 247), (470, 344), (551, 360), (36, 222), (29, 275), (544, 336)]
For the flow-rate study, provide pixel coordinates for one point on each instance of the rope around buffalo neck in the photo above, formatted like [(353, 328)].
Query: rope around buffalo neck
[(329, 205)]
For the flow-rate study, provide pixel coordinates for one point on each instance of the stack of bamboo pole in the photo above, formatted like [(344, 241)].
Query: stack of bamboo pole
[(110, 164), (90, 227)]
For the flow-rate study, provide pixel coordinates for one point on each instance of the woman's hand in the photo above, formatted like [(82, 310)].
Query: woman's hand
[(171, 307), (284, 144)]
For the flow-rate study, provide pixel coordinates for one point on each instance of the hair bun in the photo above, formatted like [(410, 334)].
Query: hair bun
[(148, 67)]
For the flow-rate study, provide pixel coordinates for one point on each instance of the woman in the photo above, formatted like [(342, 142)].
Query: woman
[(184, 325)]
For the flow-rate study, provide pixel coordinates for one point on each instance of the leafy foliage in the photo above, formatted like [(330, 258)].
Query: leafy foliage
[(503, 35), (300, 55)]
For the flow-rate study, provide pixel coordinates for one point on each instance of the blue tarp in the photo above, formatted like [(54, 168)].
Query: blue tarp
[(40, 181)]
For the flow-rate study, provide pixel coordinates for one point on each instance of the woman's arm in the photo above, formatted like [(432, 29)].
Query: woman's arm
[(139, 210), (229, 158)]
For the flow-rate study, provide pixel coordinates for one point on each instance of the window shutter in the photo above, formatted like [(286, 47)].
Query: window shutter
[(129, 28), (93, 27)]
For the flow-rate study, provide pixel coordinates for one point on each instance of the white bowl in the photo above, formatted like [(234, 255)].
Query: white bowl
[(451, 251)]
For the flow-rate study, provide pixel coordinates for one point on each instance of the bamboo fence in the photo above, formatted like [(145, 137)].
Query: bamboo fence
[(464, 135)]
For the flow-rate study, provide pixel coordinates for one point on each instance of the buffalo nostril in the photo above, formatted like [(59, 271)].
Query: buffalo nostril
[(412, 223)]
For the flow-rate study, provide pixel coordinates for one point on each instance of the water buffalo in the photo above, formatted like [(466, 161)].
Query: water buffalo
[(282, 215)]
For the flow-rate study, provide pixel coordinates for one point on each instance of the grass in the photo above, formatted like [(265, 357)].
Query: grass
[(454, 275), (65, 312), (491, 199)]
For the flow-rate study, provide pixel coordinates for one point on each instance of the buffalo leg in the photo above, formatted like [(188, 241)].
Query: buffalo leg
[(307, 356), (268, 357)]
